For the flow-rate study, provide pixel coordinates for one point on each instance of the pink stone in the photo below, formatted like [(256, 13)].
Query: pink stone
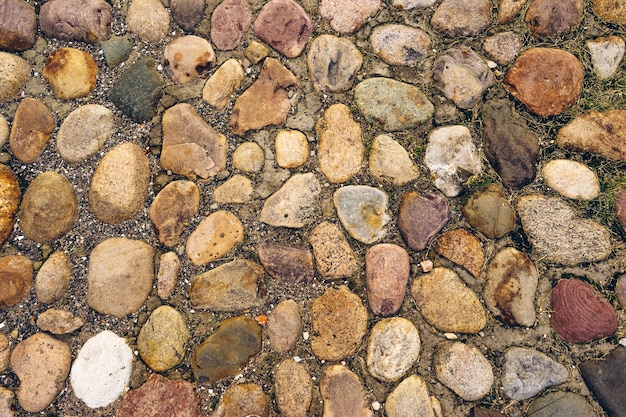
[(229, 22), (387, 268), (285, 26)]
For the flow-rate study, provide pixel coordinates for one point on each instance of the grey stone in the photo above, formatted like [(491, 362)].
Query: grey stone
[(333, 63), (606, 378), (462, 18), (84, 131), (410, 398), (606, 55), (390, 161), (393, 348), (295, 204), (116, 49), (400, 44), (559, 403), (526, 372), (362, 210), (464, 369), (503, 47), (187, 13)]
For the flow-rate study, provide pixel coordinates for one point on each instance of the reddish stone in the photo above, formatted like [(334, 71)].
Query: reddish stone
[(579, 314), (229, 22), (462, 248), (421, 217), (288, 263), (285, 26), (387, 268), (546, 80), (18, 25), (32, 127), (76, 20)]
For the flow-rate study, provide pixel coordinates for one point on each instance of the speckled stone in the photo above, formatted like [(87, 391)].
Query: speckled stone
[(343, 393), (59, 321), (288, 263), (14, 73), (462, 248), (503, 47), (295, 204), (393, 348), (284, 326), (7, 397), (243, 400), (162, 341), (410, 398), (167, 277), (84, 131), (214, 237), (294, 388), (333, 63), (526, 372), (5, 352), (334, 257)]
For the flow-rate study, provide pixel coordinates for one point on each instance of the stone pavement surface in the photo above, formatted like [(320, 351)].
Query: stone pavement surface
[(312, 208)]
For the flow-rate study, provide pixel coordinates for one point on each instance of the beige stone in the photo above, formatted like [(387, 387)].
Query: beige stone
[(219, 88), (390, 161), (53, 278), (334, 257), (167, 277), (149, 19), (214, 237), (249, 157), (292, 148), (237, 189), (71, 73)]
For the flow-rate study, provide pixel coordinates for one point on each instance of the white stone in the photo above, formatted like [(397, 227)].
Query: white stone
[(606, 55), (292, 148), (102, 369), (393, 348), (410, 399), (411, 4), (571, 179)]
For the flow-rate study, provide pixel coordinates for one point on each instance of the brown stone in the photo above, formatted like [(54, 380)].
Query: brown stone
[(546, 80), (9, 201), (613, 11), (58, 321), (553, 17), (229, 22), (343, 393), (285, 26), (214, 237), (334, 257), (175, 204), (508, 9), (294, 388), (33, 125), (266, 102), (16, 279), (14, 73), (462, 248), (187, 57), (288, 263), (490, 212), (461, 18), (243, 400), (284, 326), (167, 277), (187, 13), (602, 133), (53, 278), (387, 268), (421, 217), (18, 25), (76, 20), (620, 207), (71, 73)]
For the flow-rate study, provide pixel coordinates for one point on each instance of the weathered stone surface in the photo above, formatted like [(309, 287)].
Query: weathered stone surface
[(84, 131), (149, 19), (339, 321), (446, 303), (187, 13), (400, 44), (410, 398), (233, 286), (287, 263), (571, 179), (393, 348), (42, 363), (4, 131), (510, 146), (256, 52), (266, 102), (9, 201), (420, 217), (387, 268), (333, 63), (190, 146), (237, 189), (490, 212), (117, 49), (14, 73), (33, 125), (249, 157), (227, 350), (292, 148), (187, 57), (284, 326), (602, 133), (341, 150), (462, 248), (606, 380), (71, 20), (558, 235), (348, 16), (294, 387), (229, 23), (452, 158), (138, 90), (295, 204), (58, 321), (390, 161), (334, 258), (343, 393), (393, 104), (16, 279), (119, 185), (49, 208), (362, 210), (7, 397), (509, 292), (553, 17), (461, 18), (462, 76), (18, 25), (160, 397), (285, 26), (579, 314), (243, 400), (71, 73), (167, 277), (546, 80), (162, 341), (503, 47), (559, 403), (214, 237), (526, 372), (606, 55), (101, 371), (411, 4), (223, 83), (464, 369), (5, 354), (53, 278), (120, 276), (175, 204), (508, 9)]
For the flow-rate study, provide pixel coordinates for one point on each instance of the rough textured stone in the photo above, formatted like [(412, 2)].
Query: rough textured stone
[(233, 286), (175, 204), (462, 248), (167, 277), (339, 321), (393, 104), (237, 189), (463, 369), (292, 148), (149, 19), (42, 363), (510, 146), (284, 326), (249, 157), (411, 4), (508, 9), (117, 49), (16, 279), (348, 16), (84, 131), (334, 258), (71, 73), (295, 204), (14, 73), (256, 52), (9, 201), (18, 25), (187, 57), (58, 321), (387, 268), (390, 161), (503, 47), (223, 83), (160, 397), (266, 102), (5, 353), (190, 146), (187, 13), (227, 350), (343, 393), (509, 292), (420, 217), (461, 18), (4, 131), (7, 397), (287, 263), (610, 10), (526, 372), (546, 80), (557, 235), (33, 125), (446, 303), (393, 348), (243, 400), (362, 210), (294, 387), (606, 380), (553, 17), (120, 276), (285, 26), (71, 20), (571, 179), (53, 278), (229, 23), (410, 398), (400, 44), (333, 63), (490, 212), (620, 290), (49, 208), (340, 150), (602, 133), (214, 237), (606, 55), (162, 341), (559, 403), (119, 185)]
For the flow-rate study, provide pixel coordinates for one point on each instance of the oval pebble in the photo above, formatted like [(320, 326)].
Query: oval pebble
[(387, 268), (71, 73), (84, 131), (343, 390), (187, 57), (167, 277), (16, 279), (162, 341), (53, 278), (571, 179), (32, 128), (400, 44), (284, 326), (410, 398), (393, 348), (172, 208), (294, 388), (526, 372)]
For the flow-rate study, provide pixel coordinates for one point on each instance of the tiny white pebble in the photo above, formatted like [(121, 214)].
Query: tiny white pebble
[(343, 363), (450, 336), (305, 335), (427, 265), (375, 406), (491, 64), (160, 67), (622, 341), (481, 334), (297, 359)]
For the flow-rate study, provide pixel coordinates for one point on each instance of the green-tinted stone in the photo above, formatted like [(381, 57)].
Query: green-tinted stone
[(227, 350), (138, 90), (163, 339), (116, 50)]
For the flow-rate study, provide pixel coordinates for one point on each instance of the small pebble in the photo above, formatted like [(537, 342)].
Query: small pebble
[(187, 57), (571, 179), (172, 208), (295, 204), (362, 210), (84, 131), (32, 128), (284, 326), (149, 19), (606, 55), (342, 390), (243, 400), (292, 148), (229, 22), (223, 83), (167, 277), (58, 321), (390, 161), (464, 369), (16, 279)]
